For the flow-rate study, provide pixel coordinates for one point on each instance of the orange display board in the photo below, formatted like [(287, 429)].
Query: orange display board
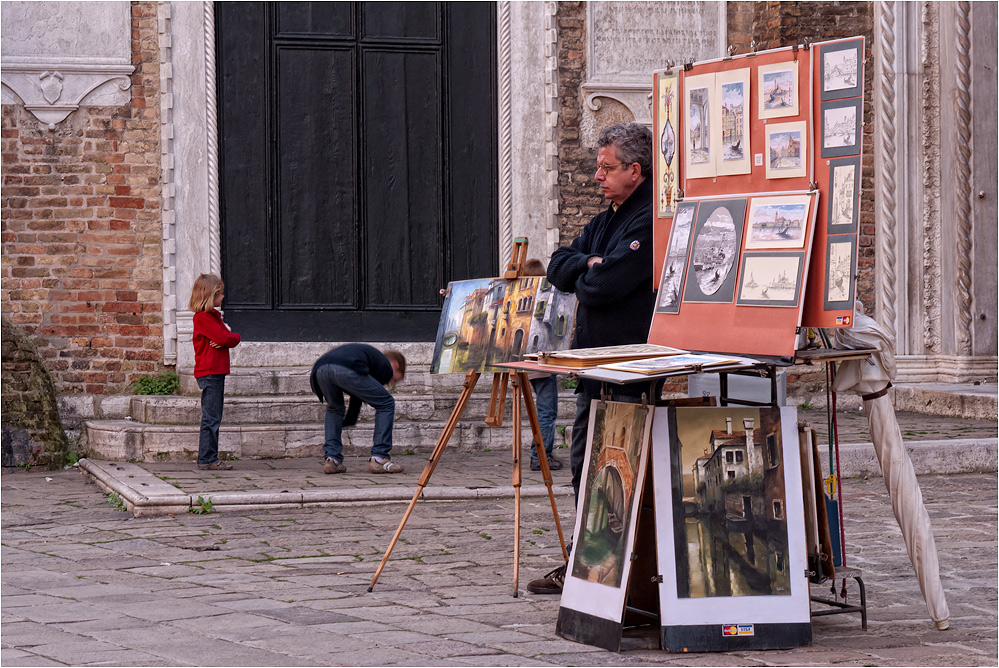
[(756, 213)]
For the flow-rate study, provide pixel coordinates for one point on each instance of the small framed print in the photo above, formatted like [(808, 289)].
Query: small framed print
[(714, 261), (667, 159), (840, 128), (771, 278), (700, 159), (841, 251), (840, 69), (732, 129), (778, 222), (844, 191), (778, 90), (675, 265), (786, 150)]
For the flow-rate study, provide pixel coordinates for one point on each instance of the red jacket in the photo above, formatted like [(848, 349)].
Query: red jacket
[(208, 326)]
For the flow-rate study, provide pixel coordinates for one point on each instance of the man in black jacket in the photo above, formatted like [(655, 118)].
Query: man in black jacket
[(609, 268), (361, 371)]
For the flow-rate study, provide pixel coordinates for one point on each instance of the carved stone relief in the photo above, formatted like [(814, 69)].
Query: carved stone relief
[(57, 56), (628, 40)]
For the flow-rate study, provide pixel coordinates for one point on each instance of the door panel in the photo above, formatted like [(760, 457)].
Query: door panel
[(358, 164)]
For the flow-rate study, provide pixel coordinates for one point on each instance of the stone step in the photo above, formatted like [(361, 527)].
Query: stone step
[(291, 409), (129, 440), (294, 380)]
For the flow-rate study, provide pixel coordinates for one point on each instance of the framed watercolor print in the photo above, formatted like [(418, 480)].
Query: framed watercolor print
[(840, 124), (841, 251), (700, 159), (844, 195), (596, 582), (675, 265), (730, 529), (786, 150), (778, 222), (771, 278), (731, 132), (777, 87), (714, 253), (840, 70), (667, 157)]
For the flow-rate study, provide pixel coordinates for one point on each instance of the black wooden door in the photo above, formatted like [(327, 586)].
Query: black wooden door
[(358, 164)]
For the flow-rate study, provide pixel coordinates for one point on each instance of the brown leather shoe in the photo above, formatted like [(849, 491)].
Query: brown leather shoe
[(217, 465), (331, 466), (387, 466)]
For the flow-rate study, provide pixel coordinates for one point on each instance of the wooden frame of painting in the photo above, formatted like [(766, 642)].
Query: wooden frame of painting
[(730, 529), (844, 195), (675, 264), (840, 66), (771, 278), (777, 90), (786, 150), (467, 339), (667, 158), (840, 123), (778, 222), (714, 253), (731, 128), (698, 98), (596, 581), (841, 280)]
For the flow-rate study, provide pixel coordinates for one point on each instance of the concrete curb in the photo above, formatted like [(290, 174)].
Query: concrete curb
[(145, 495)]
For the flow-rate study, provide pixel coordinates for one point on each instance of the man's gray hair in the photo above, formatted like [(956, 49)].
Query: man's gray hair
[(633, 142)]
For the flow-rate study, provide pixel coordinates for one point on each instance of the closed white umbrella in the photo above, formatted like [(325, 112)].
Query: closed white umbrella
[(871, 379)]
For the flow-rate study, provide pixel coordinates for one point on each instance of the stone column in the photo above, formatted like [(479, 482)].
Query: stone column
[(935, 104)]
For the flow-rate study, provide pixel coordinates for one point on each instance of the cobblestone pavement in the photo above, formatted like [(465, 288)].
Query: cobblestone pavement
[(86, 584)]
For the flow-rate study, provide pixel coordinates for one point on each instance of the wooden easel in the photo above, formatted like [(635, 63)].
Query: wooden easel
[(497, 400)]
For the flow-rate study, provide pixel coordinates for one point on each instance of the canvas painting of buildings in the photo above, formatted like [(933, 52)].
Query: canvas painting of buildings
[(617, 436), (490, 321), (731, 529)]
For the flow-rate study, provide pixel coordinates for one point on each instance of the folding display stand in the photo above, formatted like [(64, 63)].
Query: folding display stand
[(497, 400)]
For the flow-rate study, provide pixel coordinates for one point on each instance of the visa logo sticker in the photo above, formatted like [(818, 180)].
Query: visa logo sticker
[(843, 320), (737, 630)]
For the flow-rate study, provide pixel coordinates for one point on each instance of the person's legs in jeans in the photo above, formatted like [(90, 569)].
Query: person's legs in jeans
[(333, 443), (212, 397), (546, 403), (371, 392), (580, 426)]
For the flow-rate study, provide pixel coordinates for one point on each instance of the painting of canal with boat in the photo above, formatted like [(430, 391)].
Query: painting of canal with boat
[(730, 520)]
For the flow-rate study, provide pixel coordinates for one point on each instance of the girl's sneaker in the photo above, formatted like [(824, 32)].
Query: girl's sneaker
[(384, 466)]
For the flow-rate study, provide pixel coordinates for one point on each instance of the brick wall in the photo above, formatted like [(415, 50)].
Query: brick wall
[(82, 258)]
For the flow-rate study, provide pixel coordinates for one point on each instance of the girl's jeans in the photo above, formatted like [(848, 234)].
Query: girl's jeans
[(212, 391)]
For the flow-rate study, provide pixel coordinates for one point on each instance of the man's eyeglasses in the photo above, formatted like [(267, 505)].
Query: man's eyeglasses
[(607, 169)]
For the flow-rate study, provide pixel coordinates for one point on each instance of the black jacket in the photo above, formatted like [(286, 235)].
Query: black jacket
[(617, 297)]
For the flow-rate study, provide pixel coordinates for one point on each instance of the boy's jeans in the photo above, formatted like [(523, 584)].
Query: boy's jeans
[(334, 380)]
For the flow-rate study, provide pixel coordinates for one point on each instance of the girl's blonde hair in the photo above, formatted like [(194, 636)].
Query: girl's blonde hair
[(206, 286)]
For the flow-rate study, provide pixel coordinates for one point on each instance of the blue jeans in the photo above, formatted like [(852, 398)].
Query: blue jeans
[(546, 403), (212, 395), (334, 380)]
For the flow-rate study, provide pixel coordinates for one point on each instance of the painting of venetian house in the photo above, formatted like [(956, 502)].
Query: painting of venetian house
[(731, 525), (554, 319)]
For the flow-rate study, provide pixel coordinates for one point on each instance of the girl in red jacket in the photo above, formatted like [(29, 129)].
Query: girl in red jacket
[(212, 341)]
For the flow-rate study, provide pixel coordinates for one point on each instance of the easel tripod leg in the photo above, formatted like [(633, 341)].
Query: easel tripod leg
[(539, 445), (470, 379), (516, 486)]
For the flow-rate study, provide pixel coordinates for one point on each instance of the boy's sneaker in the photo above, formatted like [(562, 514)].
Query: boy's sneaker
[(384, 466), (554, 464), (550, 583), (332, 466), (217, 465)]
